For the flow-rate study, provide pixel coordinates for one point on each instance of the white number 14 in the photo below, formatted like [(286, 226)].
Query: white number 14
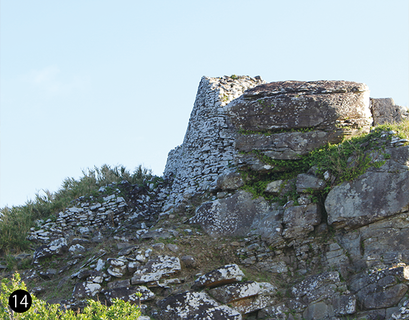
[(23, 301)]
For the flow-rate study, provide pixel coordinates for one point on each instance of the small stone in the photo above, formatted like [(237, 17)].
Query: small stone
[(172, 247), (158, 246), (188, 261), (77, 248), (100, 265)]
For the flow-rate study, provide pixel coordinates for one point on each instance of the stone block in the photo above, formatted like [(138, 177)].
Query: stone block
[(230, 216), (237, 291), (155, 269), (374, 296), (224, 275), (316, 288), (86, 289), (384, 110), (326, 105), (306, 182), (194, 305), (300, 220), (364, 200), (56, 247), (229, 181), (319, 310), (129, 294)]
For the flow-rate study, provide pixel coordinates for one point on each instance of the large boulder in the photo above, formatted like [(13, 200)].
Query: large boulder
[(229, 181), (382, 288), (246, 297), (375, 195), (295, 118), (269, 226), (323, 105), (230, 216)]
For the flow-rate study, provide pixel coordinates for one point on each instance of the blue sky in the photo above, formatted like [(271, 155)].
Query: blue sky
[(96, 82)]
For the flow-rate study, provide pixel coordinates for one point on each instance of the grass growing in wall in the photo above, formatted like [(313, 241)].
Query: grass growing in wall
[(16, 221), (331, 157)]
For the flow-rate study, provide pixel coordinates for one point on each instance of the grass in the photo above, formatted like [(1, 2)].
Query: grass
[(17, 220), (332, 158)]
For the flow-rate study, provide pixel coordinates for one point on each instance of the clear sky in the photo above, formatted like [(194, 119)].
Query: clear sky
[(93, 82)]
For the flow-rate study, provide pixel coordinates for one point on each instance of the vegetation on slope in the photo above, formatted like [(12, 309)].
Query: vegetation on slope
[(335, 159), (17, 221), (41, 310)]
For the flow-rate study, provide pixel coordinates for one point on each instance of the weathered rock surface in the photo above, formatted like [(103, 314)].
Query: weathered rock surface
[(286, 145), (229, 216), (308, 183), (128, 294), (300, 220), (230, 181), (384, 110), (293, 244), (86, 289), (223, 275), (296, 104), (56, 247), (195, 305), (233, 292), (155, 269), (321, 111), (364, 200)]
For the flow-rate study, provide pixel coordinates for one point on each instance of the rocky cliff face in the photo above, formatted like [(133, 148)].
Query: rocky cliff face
[(275, 125), (256, 216)]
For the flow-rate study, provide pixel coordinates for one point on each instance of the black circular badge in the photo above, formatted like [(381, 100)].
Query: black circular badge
[(20, 301)]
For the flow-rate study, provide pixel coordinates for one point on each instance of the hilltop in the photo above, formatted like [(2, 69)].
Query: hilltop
[(286, 200)]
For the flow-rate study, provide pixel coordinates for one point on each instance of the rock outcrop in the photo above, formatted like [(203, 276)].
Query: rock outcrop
[(245, 223), (384, 111)]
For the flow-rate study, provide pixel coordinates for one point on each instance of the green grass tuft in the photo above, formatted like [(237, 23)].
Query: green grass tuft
[(17, 220)]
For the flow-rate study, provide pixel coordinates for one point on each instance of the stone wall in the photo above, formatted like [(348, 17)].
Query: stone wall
[(295, 117), (207, 148)]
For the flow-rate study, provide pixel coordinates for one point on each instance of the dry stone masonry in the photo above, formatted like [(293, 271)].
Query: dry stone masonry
[(320, 250), (207, 148)]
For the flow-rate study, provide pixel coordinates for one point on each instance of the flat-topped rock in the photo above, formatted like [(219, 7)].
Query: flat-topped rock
[(305, 87), (195, 305), (155, 269), (322, 105), (224, 275)]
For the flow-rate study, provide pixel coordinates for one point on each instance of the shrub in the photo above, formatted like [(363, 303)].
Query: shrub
[(41, 310)]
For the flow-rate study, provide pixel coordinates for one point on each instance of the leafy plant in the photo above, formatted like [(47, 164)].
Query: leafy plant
[(41, 310), (345, 161)]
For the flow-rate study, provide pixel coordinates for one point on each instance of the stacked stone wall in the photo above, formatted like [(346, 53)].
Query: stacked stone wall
[(207, 149)]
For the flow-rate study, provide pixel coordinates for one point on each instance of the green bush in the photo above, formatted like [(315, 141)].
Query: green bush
[(40, 310), (331, 157)]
